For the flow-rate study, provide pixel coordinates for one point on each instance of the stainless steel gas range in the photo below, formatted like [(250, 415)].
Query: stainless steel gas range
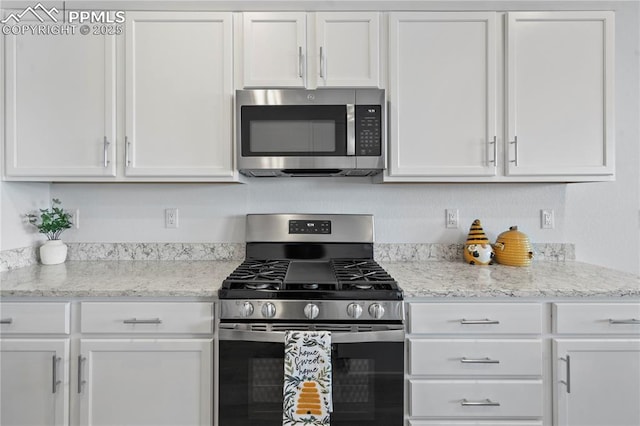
[(311, 272)]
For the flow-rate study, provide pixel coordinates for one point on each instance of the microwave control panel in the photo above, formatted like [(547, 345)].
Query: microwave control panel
[(368, 130)]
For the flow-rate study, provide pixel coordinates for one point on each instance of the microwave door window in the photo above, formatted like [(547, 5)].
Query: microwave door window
[(293, 136), (291, 131)]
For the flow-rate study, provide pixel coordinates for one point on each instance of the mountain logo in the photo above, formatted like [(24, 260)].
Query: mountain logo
[(39, 11)]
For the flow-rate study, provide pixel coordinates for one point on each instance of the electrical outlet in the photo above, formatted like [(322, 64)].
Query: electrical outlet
[(546, 219), (171, 218), (451, 218), (75, 218)]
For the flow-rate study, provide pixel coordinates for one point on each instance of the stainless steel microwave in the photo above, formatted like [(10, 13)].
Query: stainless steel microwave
[(297, 132)]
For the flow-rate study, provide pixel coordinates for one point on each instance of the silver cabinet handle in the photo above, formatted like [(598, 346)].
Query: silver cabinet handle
[(484, 403), (143, 321), (81, 381), (6, 321), (567, 382), (479, 361), (629, 321), (300, 62), (515, 144), (55, 382), (480, 321), (106, 152), (127, 148), (495, 150), (323, 70)]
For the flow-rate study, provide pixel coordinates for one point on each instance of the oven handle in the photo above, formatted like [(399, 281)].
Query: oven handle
[(336, 336)]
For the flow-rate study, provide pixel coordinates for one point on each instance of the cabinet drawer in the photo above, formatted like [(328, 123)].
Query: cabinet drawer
[(475, 318), (609, 318), (475, 357), (475, 398), (146, 317), (473, 423), (34, 318)]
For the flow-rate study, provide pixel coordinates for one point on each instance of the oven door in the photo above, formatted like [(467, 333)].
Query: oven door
[(368, 374)]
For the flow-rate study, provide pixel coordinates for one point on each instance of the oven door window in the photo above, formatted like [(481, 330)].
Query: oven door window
[(286, 130), (367, 384)]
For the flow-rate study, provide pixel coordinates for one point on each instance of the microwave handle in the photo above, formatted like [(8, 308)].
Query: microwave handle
[(351, 129)]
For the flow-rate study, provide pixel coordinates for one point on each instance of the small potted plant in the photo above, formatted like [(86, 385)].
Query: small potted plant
[(52, 222)]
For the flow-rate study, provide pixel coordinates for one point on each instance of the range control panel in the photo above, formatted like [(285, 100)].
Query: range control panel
[(309, 227), (368, 130)]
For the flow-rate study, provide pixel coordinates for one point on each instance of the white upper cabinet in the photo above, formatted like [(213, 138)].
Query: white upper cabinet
[(446, 102), (292, 49), (442, 94), (274, 49), (560, 93), (347, 49), (60, 106), (179, 94)]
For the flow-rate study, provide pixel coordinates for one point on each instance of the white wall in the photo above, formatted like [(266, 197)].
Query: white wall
[(17, 199)]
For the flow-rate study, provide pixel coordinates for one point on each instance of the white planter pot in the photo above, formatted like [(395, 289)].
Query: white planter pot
[(53, 252)]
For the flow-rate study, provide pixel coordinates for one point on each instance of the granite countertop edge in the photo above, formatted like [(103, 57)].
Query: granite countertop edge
[(419, 280)]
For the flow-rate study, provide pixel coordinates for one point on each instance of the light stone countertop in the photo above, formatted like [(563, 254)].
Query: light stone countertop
[(426, 279), (541, 279)]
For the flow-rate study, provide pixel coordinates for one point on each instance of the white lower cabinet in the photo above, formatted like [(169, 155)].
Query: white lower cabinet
[(144, 363), (34, 382), (145, 382), (475, 362), (34, 364), (106, 363), (596, 376)]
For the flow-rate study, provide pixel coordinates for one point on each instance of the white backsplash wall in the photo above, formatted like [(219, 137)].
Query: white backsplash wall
[(215, 212), (17, 199)]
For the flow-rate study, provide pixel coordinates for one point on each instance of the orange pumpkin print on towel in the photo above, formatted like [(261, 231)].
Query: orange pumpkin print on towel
[(309, 399)]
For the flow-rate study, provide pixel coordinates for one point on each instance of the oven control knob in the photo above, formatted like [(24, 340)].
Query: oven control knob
[(354, 310), (376, 310), (311, 311), (246, 309), (268, 310)]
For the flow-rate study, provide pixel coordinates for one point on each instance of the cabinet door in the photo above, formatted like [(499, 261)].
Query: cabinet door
[(348, 49), (597, 382), (274, 49), (560, 93), (34, 389), (179, 94), (60, 106), (145, 382), (442, 94)]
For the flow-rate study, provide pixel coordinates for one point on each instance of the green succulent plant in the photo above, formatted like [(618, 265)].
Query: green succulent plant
[(52, 222)]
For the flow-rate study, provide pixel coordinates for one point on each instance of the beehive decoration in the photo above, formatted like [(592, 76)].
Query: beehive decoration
[(513, 248), (477, 249), (309, 400)]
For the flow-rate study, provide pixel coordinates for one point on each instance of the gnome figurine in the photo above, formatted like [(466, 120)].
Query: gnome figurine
[(477, 250)]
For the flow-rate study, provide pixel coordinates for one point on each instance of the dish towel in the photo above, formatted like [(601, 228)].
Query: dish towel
[(307, 378)]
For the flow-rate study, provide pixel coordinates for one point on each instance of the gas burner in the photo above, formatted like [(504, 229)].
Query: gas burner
[(363, 286), (259, 286)]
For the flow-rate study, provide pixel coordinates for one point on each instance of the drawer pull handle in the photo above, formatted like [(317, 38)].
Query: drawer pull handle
[(81, 381), (55, 382), (629, 321), (479, 361), (6, 321), (567, 382), (480, 321), (143, 321), (485, 403)]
